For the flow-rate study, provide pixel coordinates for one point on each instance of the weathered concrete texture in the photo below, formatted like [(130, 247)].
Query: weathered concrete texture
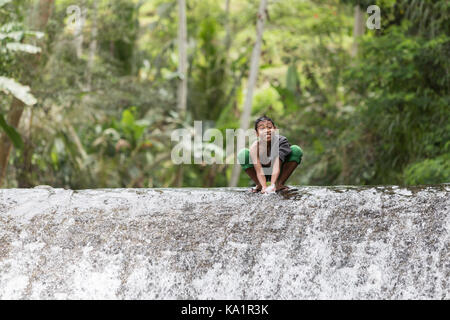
[(336, 242)]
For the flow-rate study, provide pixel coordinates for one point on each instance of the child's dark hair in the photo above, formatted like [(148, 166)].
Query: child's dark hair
[(263, 118)]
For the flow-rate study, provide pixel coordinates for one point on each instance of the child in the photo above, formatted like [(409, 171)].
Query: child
[(277, 168)]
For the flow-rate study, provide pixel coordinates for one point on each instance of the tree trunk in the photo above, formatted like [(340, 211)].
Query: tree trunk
[(182, 71), (45, 9), (79, 32), (25, 175), (227, 41), (227, 26), (254, 68), (182, 52), (14, 114), (93, 44), (358, 29), (17, 106)]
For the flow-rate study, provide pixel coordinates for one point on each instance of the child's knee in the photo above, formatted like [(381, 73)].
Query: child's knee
[(244, 158), (296, 154)]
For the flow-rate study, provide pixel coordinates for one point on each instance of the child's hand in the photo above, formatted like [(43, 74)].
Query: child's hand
[(270, 189), (264, 188)]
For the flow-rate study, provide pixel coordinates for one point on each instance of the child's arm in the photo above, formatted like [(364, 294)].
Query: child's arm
[(258, 167), (275, 171)]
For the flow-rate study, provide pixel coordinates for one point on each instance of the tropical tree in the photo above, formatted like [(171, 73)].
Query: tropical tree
[(12, 34)]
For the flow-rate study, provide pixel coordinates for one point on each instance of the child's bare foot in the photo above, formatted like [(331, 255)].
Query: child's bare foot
[(256, 189), (281, 188)]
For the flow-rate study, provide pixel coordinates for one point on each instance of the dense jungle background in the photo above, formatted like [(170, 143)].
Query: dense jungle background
[(91, 90)]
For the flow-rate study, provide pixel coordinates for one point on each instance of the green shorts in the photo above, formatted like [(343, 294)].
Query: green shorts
[(244, 156)]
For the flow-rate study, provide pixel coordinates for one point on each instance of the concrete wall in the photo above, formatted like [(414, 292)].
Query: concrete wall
[(320, 243)]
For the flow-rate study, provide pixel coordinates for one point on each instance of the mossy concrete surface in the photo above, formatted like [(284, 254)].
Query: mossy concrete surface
[(342, 242)]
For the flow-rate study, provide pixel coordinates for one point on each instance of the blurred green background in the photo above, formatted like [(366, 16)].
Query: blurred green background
[(370, 108)]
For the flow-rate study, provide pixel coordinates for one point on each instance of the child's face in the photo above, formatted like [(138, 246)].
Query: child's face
[(265, 130)]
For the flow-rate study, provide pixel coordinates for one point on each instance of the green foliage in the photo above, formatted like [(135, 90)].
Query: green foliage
[(119, 27), (11, 133), (429, 171), (361, 3), (267, 101), (403, 83), (104, 118), (20, 92), (208, 78), (12, 34)]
